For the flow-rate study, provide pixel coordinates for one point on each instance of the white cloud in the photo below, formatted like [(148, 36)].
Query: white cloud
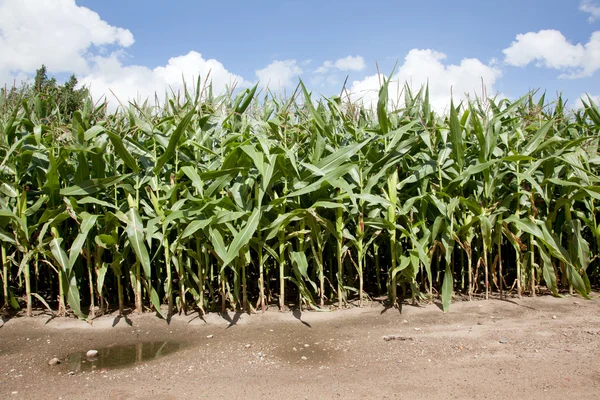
[(349, 63), (323, 69), (423, 67), (57, 33), (591, 8), (108, 75), (279, 74), (69, 38), (550, 48)]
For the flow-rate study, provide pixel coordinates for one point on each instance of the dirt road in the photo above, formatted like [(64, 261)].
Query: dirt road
[(543, 348)]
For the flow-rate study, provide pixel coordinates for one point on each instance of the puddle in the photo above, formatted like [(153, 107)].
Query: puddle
[(120, 356)]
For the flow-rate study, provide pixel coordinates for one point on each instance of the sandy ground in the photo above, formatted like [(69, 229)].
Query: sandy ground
[(543, 348)]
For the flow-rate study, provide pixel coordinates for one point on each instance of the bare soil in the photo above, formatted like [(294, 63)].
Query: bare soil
[(543, 347)]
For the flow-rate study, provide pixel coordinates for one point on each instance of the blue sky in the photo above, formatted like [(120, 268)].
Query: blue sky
[(128, 40)]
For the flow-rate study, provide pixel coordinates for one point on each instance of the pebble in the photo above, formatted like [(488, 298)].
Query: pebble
[(54, 361), (504, 341), (388, 338), (304, 358), (210, 336), (91, 353), (248, 346), (554, 317)]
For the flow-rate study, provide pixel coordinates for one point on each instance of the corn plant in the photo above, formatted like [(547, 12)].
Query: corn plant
[(241, 201)]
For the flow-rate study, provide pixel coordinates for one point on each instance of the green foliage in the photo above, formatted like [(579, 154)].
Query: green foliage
[(225, 202)]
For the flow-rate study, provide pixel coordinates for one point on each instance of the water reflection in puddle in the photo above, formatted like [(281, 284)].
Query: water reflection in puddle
[(120, 356)]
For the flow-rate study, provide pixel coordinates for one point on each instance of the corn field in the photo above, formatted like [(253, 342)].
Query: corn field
[(249, 200)]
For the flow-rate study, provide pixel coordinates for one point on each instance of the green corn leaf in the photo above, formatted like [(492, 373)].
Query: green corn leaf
[(548, 270), (537, 139), (87, 223), (194, 226), (456, 137), (243, 237), (382, 102), (174, 141), (122, 151), (194, 177), (447, 289), (73, 298), (92, 186), (59, 255), (155, 300), (135, 233)]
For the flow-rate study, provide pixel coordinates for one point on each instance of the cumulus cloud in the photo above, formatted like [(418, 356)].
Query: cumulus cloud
[(73, 39), (551, 49), (57, 33), (423, 67), (108, 75), (349, 63), (591, 8), (279, 74)]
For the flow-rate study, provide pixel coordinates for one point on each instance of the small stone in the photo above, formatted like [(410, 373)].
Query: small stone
[(13, 393), (91, 353), (304, 358), (554, 317), (480, 323), (248, 346), (405, 321), (504, 341), (307, 345), (71, 372), (417, 329), (388, 338), (210, 336), (54, 361)]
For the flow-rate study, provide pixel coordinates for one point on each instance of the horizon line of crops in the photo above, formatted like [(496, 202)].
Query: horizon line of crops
[(237, 202)]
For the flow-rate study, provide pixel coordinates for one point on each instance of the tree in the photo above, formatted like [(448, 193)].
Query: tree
[(66, 98)]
